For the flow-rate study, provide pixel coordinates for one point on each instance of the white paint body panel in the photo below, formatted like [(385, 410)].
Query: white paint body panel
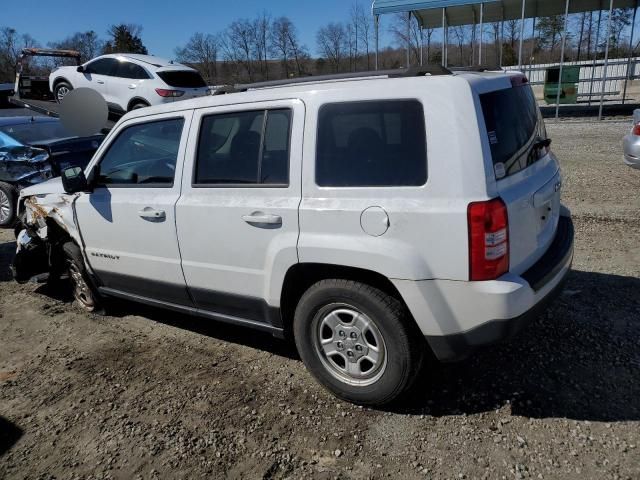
[(424, 251), (220, 251), (111, 225)]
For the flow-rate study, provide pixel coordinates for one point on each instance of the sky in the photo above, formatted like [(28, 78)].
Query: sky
[(166, 25)]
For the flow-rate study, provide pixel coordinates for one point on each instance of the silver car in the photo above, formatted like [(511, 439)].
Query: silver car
[(631, 143)]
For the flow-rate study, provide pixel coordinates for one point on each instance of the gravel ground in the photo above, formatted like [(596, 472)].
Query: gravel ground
[(146, 394)]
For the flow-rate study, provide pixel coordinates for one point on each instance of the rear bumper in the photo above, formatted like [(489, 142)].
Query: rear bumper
[(458, 317), (631, 146)]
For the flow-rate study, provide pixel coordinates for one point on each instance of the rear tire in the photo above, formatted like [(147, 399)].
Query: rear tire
[(8, 202), (84, 293), (358, 342), (61, 90), (138, 105)]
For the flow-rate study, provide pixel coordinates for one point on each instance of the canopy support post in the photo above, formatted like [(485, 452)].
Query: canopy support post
[(633, 31), (480, 34), (595, 57), (501, 36), (445, 38), (376, 22), (421, 46), (564, 41), (409, 40), (606, 61), (524, 5)]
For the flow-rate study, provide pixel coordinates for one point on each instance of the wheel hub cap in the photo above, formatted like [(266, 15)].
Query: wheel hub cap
[(5, 207), (350, 345)]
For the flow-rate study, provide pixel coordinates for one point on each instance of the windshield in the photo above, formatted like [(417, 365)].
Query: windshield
[(514, 126), (30, 133)]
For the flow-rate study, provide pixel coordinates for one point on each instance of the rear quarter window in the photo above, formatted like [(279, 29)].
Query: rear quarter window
[(371, 144), (182, 79), (513, 123)]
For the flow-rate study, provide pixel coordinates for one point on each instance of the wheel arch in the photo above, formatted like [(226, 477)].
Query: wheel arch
[(301, 276), (59, 80), (135, 100)]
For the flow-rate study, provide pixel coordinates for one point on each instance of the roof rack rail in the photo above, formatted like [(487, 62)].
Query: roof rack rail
[(398, 73), (477, 68)]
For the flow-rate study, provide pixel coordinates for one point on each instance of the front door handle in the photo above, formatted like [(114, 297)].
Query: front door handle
[(259, 218), (101, 82), (132, 86), (149, 213)]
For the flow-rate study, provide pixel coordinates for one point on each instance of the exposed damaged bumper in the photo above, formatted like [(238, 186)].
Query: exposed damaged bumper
[(32, 258)]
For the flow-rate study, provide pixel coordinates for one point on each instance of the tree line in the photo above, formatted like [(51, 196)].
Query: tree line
[(269, 47)]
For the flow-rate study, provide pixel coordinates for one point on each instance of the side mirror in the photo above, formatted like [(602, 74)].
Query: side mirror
[(73, 180), (80, 68)]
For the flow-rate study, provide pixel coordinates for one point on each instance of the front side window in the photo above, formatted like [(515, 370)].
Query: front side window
[(244, 148), (103, 66), (371, 144), (143, 154)]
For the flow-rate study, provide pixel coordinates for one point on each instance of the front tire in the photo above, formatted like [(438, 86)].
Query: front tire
[(61, 90), (8, 202), (358, 341), (84, 293)]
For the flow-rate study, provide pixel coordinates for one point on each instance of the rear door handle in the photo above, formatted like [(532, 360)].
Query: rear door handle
[(259, 218), (132, 86), (149, 213)]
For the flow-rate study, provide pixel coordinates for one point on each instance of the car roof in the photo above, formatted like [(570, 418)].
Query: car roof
[(485, 81), (24, 120), (150, 60)]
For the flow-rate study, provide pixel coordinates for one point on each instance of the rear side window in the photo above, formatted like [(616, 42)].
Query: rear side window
[(244, 148), (513, 123), (182, 79), (143, 155), (371, 144), (131, 70)]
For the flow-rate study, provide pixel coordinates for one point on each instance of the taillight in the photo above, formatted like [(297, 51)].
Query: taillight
[(169, 93), (488, 240), (636, 129)]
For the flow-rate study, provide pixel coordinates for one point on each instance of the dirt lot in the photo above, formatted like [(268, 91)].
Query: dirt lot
[(146, 394)]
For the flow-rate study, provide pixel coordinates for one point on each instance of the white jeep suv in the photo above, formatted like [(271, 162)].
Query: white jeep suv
[(371, 218), (128, 81)]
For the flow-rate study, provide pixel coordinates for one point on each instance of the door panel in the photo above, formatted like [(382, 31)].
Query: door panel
[(235, 230), (128, 221)]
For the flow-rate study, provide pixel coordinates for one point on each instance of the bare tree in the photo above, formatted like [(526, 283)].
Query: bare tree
[(87, 43), (261, 40), (201, 52), (11, 45), (460, 34), (238, 47), (401, 26), (332, 40)]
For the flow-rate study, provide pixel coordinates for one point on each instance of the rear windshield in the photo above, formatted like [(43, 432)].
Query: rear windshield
[(514, 125), (182, 79)]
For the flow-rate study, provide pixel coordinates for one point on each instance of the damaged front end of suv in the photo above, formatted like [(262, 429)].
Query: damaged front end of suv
[(47, 223)]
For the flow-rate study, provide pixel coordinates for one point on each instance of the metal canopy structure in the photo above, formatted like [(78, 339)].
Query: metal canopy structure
[(467, 12), (447, 13)]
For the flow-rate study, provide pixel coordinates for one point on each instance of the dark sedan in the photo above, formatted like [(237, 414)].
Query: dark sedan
[(35, 149)]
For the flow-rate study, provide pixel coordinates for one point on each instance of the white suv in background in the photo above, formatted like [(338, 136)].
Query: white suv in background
[(371, 219), (129, 81)]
